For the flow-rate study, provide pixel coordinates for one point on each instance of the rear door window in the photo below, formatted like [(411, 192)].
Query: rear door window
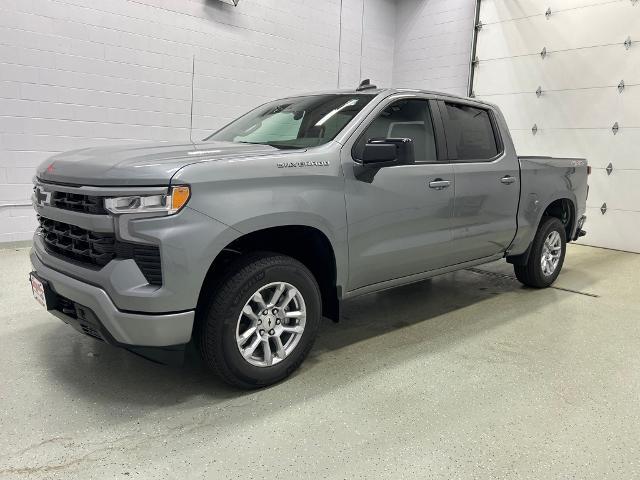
[(470, 133)]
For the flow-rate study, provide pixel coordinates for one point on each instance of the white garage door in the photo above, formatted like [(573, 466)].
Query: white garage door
[(559, 65)]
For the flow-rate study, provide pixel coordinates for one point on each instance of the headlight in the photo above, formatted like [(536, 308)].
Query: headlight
[(170, 202)]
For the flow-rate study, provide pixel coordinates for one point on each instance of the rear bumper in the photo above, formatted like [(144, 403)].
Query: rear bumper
[(90, 310), (579, 231)]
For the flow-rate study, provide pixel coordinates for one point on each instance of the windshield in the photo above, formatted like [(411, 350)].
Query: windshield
[(296, 122)]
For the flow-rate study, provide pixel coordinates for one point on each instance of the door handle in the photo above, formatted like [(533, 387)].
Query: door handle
[(508, 179), (439, 184)]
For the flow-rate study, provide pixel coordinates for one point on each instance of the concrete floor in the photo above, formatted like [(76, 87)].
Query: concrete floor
[(465, 376)]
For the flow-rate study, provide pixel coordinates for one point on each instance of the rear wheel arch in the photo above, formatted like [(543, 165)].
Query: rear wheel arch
[(547, 252), (562, 208)]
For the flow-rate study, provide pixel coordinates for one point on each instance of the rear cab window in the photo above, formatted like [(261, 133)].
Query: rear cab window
[(470, 132)]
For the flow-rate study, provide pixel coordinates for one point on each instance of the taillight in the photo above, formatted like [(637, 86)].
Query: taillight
[(588, 169)]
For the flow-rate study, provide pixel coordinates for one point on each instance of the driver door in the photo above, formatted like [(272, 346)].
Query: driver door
[(398, 216)]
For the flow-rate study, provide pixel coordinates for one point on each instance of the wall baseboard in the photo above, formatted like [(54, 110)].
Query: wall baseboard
[(15, 245)]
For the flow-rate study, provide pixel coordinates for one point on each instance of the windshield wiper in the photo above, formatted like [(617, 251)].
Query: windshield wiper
[(284, 146), (276, 145)]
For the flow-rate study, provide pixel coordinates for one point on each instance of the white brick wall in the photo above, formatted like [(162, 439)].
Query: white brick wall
[(433, 44), (78, 73), (368, 55)]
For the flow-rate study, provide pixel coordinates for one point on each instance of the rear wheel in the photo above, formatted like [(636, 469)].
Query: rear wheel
[(547, 255), (261, 321)]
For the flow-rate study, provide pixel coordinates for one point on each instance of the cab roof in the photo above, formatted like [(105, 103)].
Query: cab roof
[(390, 91)]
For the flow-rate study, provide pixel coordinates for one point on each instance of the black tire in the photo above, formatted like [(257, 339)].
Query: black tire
[(532, 273), (219, 318)]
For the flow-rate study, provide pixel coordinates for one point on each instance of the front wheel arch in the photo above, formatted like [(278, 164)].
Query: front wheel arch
[(308, 245), (217, 335)]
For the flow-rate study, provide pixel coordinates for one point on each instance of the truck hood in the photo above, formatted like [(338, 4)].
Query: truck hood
[(139, 165)]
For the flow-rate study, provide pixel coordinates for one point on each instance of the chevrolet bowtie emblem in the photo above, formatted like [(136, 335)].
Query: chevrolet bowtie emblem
[(40, 197)]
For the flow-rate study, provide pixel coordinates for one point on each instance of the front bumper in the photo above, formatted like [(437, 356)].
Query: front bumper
[(188, 243), (95, 312)]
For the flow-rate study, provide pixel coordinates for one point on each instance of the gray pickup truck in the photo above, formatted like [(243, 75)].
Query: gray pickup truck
[(242, 242)]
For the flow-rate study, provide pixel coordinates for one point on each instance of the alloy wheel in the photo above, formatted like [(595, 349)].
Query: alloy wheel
[(551, 252), (271, 324)]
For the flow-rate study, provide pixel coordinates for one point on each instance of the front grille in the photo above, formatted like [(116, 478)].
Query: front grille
[(95, 250), (78, 244), (78, 203)]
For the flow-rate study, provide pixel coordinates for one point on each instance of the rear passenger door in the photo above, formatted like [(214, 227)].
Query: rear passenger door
[(487, 184)]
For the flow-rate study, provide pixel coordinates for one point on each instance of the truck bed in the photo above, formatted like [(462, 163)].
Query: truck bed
[(543, 180)]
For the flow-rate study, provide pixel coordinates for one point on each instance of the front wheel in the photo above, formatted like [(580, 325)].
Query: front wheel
[(261, 321), (547, 255)]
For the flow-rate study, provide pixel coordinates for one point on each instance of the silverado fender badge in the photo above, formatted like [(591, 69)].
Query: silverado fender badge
[(322, 163)]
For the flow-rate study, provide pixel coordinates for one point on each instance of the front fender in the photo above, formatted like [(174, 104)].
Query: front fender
[(337, 238), (253, 194)]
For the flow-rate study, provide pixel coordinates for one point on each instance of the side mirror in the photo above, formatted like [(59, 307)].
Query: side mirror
[(388, 151)]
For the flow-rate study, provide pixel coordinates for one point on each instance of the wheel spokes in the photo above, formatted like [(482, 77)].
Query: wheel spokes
[(280, 348), (274, 310), (288, 297), (551, 253), (248, 333), (277, 294), (248, 352), (293, 329), (266, 348), (257, 298), (248, 311)]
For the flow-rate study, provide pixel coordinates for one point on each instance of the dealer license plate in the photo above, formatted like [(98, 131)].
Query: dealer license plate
[(37, 287)]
